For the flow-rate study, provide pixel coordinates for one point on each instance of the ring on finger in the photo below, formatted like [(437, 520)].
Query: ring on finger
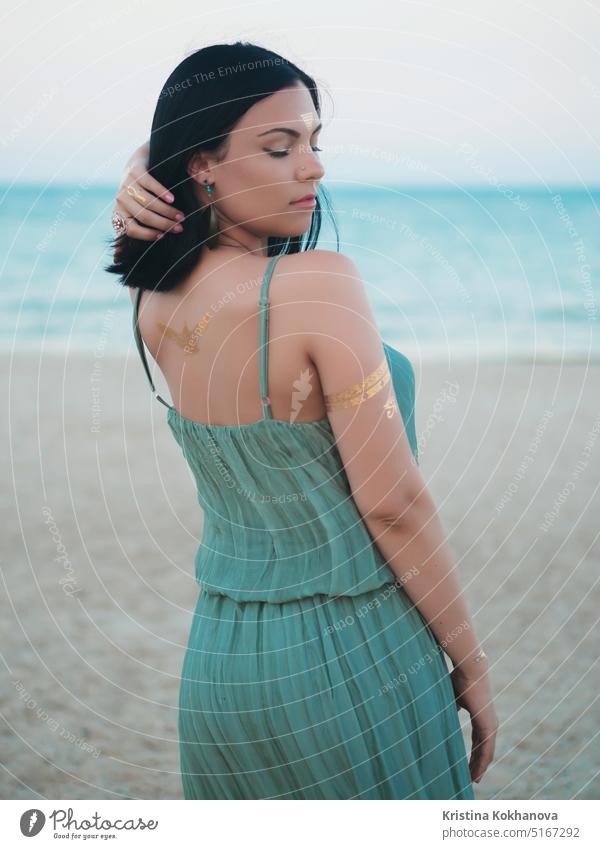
[(132, 192), (119, 223)]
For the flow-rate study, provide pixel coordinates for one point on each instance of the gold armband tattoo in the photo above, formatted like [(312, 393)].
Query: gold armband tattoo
[(360, 392), (187, 339)]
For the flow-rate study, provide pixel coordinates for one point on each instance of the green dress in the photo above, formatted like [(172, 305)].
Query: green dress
[(309, 673)]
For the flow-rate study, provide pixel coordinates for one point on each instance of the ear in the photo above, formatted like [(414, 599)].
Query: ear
[(198, 167)]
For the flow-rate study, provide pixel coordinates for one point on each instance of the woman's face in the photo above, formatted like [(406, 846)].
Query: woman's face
[(266, 169)]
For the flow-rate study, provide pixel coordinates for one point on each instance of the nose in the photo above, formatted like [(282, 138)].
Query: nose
[(311, 167)]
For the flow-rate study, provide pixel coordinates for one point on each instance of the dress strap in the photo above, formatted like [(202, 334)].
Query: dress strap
[(264, 339), (140, 346)]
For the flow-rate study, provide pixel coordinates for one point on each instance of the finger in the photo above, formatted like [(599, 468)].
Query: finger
[(159, 222), (154, 202), (482, 755), (155, 197), (145, 178), (135, 230), (141, 212), (475, 763), (476, 768), (138, 231)]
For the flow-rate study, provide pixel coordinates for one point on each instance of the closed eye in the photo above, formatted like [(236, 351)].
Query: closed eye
[(279, 153)]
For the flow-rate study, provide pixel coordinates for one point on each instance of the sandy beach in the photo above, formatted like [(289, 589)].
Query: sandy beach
[(102, 523)]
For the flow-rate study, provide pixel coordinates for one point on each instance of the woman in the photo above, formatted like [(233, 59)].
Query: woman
[(314, 666)]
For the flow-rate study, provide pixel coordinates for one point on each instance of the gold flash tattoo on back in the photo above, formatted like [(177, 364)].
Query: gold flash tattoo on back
[(362, 391), (187, 339)]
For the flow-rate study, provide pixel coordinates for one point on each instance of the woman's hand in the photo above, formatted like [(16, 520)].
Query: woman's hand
[(139, 202), (473, 692)]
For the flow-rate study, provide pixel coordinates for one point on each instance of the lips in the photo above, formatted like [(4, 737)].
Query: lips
[(305, 198)]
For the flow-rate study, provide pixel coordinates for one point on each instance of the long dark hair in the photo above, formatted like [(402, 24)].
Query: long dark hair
[(196, 110)]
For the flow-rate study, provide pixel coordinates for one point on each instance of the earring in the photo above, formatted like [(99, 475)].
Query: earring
[(213, 228)]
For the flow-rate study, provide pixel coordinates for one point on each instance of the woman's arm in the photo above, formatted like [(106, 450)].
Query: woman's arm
[(414, 547), (343, 342), (388, 488), (138, 157)]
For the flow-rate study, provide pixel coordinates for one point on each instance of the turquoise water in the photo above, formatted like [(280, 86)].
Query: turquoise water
[(450, 274)]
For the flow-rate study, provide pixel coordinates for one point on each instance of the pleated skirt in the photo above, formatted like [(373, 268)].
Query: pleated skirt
[(321, 697)]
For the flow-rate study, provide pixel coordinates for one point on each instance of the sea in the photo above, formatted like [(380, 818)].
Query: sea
[(471, 273)]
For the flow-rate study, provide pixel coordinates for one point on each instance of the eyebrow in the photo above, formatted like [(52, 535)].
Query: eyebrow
[(294, 133)]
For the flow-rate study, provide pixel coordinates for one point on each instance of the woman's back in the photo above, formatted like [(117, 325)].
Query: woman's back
[(280, 521), (204, 335)]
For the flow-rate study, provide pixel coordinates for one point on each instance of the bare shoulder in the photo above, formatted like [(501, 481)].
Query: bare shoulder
[(328, 299), (321, 274), (319, 262)]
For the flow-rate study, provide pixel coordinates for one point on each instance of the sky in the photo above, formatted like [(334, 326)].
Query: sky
[(415, 93)]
